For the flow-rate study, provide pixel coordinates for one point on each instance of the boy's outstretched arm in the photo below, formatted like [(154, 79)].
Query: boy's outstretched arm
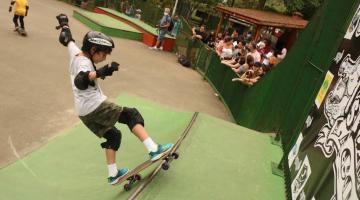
[(65, 36)]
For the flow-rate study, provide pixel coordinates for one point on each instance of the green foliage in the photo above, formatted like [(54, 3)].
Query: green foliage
[(204, 4), (306, 7)]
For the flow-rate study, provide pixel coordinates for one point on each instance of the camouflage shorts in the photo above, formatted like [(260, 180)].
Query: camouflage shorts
[(102, 118)]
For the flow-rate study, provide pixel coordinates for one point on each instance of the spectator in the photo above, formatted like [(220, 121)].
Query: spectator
[(177, 26), (253, 52), (163, 28), (225, 51), (84, 4), (138, 13), (123, 6), (273, 60), (219, 38), (235, 37), (211, 40), (127, 9), (199, 33), (282, 54), (236, 64), (248, 78), (248, 36)]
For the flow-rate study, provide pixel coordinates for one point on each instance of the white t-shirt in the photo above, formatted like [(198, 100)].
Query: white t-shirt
[(283, 53), (89, 99), (256, 55)]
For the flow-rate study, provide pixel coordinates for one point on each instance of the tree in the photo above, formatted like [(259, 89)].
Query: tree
[(203, 4), (306, 7)]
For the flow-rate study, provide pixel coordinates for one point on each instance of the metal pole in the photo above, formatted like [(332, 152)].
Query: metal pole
[(174, 9)]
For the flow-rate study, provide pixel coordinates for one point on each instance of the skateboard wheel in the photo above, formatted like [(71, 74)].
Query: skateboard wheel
[(138, 177), (175, 155), (127, 187), (165, 166)]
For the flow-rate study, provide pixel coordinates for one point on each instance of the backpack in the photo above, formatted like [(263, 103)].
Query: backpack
[(184, 61), (170, 28)]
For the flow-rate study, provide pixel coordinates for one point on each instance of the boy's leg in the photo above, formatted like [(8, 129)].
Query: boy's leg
[(110, 156), (140, 132), (133, 119), (112, 144), (15, 20), (162, 44), (135, 122), (21, 19), (156, 45)]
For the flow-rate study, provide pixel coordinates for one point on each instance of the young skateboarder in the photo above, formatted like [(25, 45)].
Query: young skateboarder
[(21, 10), (92, 106)]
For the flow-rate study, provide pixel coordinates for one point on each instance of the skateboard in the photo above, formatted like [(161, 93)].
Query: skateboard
[(133, 176), (21, 31)]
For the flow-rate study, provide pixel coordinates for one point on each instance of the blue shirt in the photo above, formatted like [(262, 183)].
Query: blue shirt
[(164, 20)]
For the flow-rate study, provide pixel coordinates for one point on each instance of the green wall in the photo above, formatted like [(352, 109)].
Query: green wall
[(280, 101)]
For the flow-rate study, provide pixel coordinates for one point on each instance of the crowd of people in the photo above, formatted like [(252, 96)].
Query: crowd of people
[(250, 59)]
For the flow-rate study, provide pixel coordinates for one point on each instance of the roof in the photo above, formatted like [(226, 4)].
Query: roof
[(265, 18)]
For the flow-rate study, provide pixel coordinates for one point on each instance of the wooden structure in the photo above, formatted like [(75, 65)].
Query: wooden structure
[(261, 18)]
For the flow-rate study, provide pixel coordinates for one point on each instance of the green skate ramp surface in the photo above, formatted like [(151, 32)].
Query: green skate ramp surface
[(137, 22), (218, 160), (107, 25)]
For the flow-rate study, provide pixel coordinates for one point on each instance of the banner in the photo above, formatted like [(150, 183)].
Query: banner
[(325, 160)]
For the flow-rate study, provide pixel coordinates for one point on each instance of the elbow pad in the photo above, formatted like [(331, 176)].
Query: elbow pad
[(82, 80)]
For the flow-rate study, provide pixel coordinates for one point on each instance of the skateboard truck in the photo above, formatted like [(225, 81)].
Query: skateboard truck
[(132, 180), (137, 177), (168, 159)]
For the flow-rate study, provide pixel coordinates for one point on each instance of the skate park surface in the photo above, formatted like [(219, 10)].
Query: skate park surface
[(218, 160), (45, 152)]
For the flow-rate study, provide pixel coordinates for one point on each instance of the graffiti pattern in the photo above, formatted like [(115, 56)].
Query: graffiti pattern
[(300, 180), (339, 136)]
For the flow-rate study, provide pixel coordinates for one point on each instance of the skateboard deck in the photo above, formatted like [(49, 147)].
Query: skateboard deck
[(133, 175)]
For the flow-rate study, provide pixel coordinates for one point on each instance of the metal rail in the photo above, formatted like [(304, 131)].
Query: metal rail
[(151, 176)]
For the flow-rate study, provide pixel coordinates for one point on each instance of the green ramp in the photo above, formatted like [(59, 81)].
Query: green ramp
[(137, 22), (107, 25), (218, 160), (72, 166)]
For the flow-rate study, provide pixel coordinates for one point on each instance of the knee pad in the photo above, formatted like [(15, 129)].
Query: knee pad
[(113, 139), (131, 117)]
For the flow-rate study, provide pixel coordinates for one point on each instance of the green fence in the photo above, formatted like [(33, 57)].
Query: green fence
[(281, 100)]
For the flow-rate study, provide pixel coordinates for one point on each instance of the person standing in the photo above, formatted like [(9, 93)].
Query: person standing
[(21, 10), (163, 29), (177, 26)]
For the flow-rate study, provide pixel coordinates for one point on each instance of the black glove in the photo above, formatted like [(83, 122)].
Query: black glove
[(106, 70), (10, 8), (63, 21), (65, 36)]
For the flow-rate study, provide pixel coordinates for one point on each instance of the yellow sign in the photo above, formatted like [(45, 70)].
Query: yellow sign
[(324, 88)]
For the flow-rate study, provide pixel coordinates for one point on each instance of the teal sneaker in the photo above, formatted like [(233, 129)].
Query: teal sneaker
[(114, 179), (162, 149)]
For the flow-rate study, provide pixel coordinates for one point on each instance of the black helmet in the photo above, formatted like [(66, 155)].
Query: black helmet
[(101, 41)]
